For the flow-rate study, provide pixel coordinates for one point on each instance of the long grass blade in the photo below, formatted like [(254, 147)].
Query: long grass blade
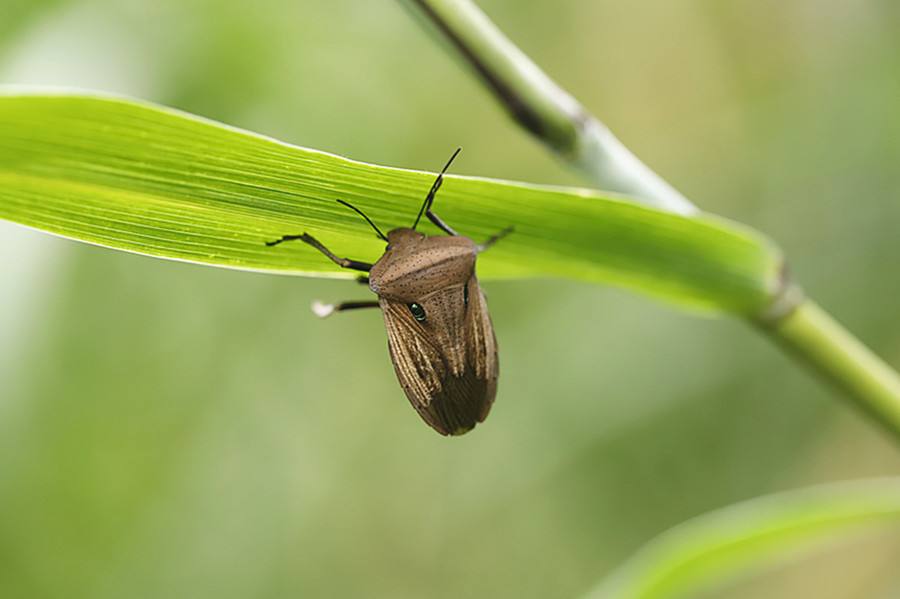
[(138, 177)]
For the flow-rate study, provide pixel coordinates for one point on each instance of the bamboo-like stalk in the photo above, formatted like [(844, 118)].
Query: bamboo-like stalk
[(813, 336), (543, 108), (554, 117)]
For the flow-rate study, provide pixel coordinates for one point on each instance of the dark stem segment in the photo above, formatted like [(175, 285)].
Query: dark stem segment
[(309, 239), (542, 107), (556, 125)]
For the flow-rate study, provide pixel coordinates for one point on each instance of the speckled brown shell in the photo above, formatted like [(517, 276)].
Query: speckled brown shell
[(446, 364)]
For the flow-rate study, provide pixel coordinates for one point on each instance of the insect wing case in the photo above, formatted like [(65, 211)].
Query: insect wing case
[(439, 331)]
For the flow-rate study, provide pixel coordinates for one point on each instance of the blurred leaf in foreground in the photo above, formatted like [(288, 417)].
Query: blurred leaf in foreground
[(722, 544)]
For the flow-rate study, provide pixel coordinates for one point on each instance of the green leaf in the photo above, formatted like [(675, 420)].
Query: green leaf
[(141, 178), (734, 540)]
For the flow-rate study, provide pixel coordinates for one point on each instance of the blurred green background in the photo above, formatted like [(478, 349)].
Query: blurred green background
[(180, 431)]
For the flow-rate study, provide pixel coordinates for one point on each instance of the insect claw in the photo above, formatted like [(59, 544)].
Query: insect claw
[(322, 310)]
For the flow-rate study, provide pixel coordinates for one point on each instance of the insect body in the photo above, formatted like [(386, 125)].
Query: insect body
[(440, 335)]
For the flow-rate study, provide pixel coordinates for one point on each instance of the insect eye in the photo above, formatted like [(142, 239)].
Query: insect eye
[(466, 294), (418, 311)]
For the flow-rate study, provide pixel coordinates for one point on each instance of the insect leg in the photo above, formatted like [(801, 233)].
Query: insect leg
[(494, 239), (362, 280), (324, 310), (342, 262), (429, 200), (439, 223)]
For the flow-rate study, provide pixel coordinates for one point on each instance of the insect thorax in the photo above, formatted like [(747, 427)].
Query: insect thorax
[(414, 265)]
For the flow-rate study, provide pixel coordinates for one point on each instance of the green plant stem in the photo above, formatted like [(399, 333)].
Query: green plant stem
[(552, 115), (816, 339), (543, 108)]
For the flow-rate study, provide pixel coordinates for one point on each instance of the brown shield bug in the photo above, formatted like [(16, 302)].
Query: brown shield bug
[(440, 335)]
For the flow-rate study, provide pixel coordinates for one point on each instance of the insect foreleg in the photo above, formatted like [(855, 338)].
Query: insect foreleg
[(323, 310), (439, 223), (494, 239), (429, 199), (342, 262)]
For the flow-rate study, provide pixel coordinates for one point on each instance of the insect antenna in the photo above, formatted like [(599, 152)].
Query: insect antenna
[(368, 220), (426, 205)]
